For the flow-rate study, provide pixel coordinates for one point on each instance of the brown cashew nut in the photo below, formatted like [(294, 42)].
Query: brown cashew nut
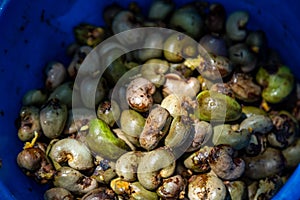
[(156, 126), (224, 165), (139, 94)]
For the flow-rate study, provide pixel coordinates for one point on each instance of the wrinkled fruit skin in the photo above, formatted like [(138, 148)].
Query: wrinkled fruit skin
[(224, 164), (139, 94)]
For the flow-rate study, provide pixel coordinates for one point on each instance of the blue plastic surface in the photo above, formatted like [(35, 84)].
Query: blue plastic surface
[(35, 32)]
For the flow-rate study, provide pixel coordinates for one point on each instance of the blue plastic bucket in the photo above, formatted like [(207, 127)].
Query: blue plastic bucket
[(35, 32)]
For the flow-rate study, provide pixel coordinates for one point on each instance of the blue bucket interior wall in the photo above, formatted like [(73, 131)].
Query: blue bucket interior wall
[(35, 32)]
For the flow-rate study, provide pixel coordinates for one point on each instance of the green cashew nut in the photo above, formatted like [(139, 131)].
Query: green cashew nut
[(29, 123), (235, 25), (53, 117), (178, 46), (74, 152), (132, 124), (34, 97), (257, 124), (103, 142), (164, 7), (228, 134), (74, 181), (155, 165), (179, 132), (64, 93), (277, 80), (154, 70), (217, 107), (127, 164), (187, 20)]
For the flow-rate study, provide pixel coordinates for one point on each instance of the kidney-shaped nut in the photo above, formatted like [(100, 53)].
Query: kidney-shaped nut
[(277, 80), (164, 7), (125, 21), (206, 186), (231, 135), (156, 126), (155, 165), (132, 124), (241, 56), (35, 97), (177, 85), (30, 159), (178, 135), (214, 45), (178, 46), (74, 181), (154, 70), (29, 122), (268, 163), (214, 106), (53, 116), (198, 161), (172, 187), (285, 129), (56, 74), (64, 93), (102, 141), (224, 165), (72, 151), (58, 193), (188, 20), (257, 124), (126, 165), (78, 118), (33, 162), (235, 25), (139, 94), (178, 105)]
